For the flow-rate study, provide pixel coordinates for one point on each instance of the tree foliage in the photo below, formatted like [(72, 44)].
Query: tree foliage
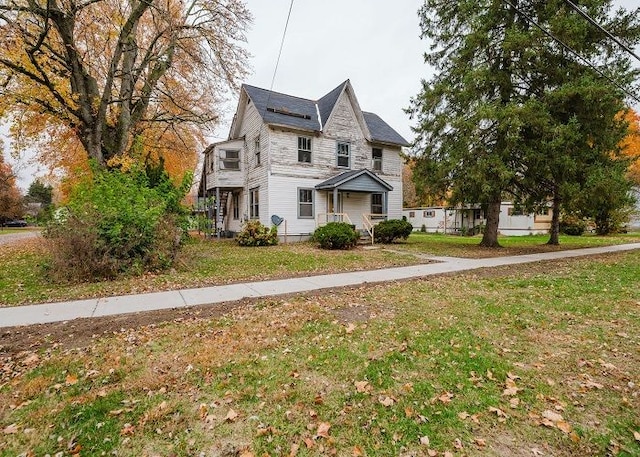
[(87, 78), (631, 145), (510, 112), (39, 192), (10, 198)]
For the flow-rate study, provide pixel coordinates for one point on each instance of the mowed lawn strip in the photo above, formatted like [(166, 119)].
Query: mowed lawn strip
[(537, 359), (25, 278)]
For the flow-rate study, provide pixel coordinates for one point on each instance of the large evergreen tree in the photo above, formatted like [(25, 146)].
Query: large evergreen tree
[(508, 104)]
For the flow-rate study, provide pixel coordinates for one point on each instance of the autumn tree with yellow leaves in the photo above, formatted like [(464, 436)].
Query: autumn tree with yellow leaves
[(630, 147), (86, 79)]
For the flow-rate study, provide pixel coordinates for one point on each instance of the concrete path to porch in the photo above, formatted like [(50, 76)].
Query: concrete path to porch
[(109, 306)]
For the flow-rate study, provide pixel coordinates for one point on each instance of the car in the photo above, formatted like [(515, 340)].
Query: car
[(16, 223)]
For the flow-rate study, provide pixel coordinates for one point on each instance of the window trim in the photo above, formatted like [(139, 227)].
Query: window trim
[(311, 203), (375, 205), (257, 150), (376, 162), (235, 201), (308, 151), (254, 203), (347, 155), (428, 213), (224, 160)]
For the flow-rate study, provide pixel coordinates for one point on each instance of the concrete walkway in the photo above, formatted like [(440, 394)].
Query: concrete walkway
[(64, 311)]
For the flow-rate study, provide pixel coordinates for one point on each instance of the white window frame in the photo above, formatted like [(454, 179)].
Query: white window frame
[(254, 203), (230, 163), (306, 192), (376, 162), (429, 213), (257, 151), (304, 148), (343, 150), (235, 201)]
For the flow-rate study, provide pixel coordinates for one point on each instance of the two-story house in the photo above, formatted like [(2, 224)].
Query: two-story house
[(307, 162)]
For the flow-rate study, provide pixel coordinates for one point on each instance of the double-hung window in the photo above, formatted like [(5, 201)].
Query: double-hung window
[(376, 159), (305, 203), (376, 204), (343, 155), (230, 159), (304, 149), (256, 148), (235, 201), (254, 203)]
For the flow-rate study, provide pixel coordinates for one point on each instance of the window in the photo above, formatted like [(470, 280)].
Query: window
[(229, 160), (515, 211), (210, 161), (256, 149), (254, 203), (344, 155), (235, 201), (376, 157), (429, 213), (304, 149), (412, 214), (543, 211), (305, 203), (376, 204)]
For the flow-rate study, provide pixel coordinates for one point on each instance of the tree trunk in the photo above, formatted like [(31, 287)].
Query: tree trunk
[(554, 239), (490, 236)]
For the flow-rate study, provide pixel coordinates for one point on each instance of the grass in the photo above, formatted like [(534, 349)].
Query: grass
[(473, 364), (24, 278)]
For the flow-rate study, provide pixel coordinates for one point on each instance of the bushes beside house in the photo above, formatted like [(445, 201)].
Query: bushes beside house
[(253, 233), (335, 235), (118, 222), (391, 230), (572, 225)]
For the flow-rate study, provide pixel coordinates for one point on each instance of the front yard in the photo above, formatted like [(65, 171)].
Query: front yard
[(528, 360)]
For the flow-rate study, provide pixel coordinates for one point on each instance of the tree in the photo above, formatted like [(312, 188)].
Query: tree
[(10, 198), (89, 78), (40, 193), (512, 112), (631, 145), (468, 112)]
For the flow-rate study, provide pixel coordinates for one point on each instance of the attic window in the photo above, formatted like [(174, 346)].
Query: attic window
[(286, 112)]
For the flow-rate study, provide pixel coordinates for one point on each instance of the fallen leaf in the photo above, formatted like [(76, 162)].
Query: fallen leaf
[(480, 442), (564, 426), (514, 402), (457, 443), (10, 429), (363, 386), (357, 451), (350, 328), (71, 380), (432, 453), (386, 401), (323, 430), (424, 440), (552, 416), (308, 442), (231, 416), (636, 435), (294, 450), (127, 430), (463, 415)]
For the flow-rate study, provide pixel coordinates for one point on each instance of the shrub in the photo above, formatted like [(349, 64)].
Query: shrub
[(255, 234), (423, 229), (117, 223), (572, 225), (391, 230), (336, 235)]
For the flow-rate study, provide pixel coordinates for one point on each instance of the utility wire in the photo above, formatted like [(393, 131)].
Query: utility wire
[(601, 28), (275, 70), (572, 51)]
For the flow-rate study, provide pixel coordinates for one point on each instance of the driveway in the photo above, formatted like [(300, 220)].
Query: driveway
[(13, 237)]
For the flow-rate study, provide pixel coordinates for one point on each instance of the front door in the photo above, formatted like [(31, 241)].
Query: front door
[(330, 208)]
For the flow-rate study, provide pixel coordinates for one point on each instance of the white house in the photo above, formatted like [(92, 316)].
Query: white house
[(469, 219), (303, 162)]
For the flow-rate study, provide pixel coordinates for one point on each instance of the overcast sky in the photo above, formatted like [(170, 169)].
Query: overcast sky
[(374, 43)]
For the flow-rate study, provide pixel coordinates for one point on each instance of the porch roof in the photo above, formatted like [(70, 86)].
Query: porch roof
[(356, 181)]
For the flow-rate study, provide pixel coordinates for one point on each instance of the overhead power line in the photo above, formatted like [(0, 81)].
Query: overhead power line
[(573, 51), (284, 34), (601, 28)]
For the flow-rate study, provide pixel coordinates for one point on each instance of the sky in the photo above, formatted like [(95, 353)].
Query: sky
[(374, 43)]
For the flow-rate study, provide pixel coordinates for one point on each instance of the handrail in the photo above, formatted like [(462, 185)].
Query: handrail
[(325, 218), (368, 226)]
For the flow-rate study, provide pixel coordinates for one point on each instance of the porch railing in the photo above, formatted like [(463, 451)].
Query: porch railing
[(325, 218), (368, 225)]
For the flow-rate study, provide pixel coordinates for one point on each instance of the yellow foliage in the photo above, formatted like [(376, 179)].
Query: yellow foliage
[(631, 145)]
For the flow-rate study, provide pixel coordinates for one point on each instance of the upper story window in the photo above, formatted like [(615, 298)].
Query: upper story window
[(230, 159), (343, 159), (376, 159), (304, 149), (256, 149)]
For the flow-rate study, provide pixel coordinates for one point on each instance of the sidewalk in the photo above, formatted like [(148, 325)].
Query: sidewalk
[(64, 311)]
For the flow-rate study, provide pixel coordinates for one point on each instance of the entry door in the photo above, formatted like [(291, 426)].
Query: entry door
[(330, 203)]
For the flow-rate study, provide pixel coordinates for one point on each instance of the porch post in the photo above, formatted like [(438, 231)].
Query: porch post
[(335, 204), (385, 205), (217, 211)]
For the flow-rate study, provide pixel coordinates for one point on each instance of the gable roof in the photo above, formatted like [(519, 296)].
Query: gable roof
[(286, 110), (343, 181)]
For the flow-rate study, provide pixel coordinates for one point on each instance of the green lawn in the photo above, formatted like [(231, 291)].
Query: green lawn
[(528, 360)]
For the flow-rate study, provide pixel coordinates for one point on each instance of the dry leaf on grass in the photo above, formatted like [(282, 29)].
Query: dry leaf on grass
[(323, 430), (10, 429), (424, 440), (386, 401), (231, 416), (363, 387)]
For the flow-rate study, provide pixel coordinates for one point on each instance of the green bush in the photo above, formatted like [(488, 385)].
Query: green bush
[(116, 223), (336, 235), (391, 230), (572, 225), (255, 234)]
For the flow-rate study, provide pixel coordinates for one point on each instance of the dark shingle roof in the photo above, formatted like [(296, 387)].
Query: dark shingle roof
[(296, 112), (347, 176), (303, 112), (381, 131)]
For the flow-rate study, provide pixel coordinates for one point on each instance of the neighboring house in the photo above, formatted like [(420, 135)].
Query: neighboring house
[(305, 161), (470, 219)]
